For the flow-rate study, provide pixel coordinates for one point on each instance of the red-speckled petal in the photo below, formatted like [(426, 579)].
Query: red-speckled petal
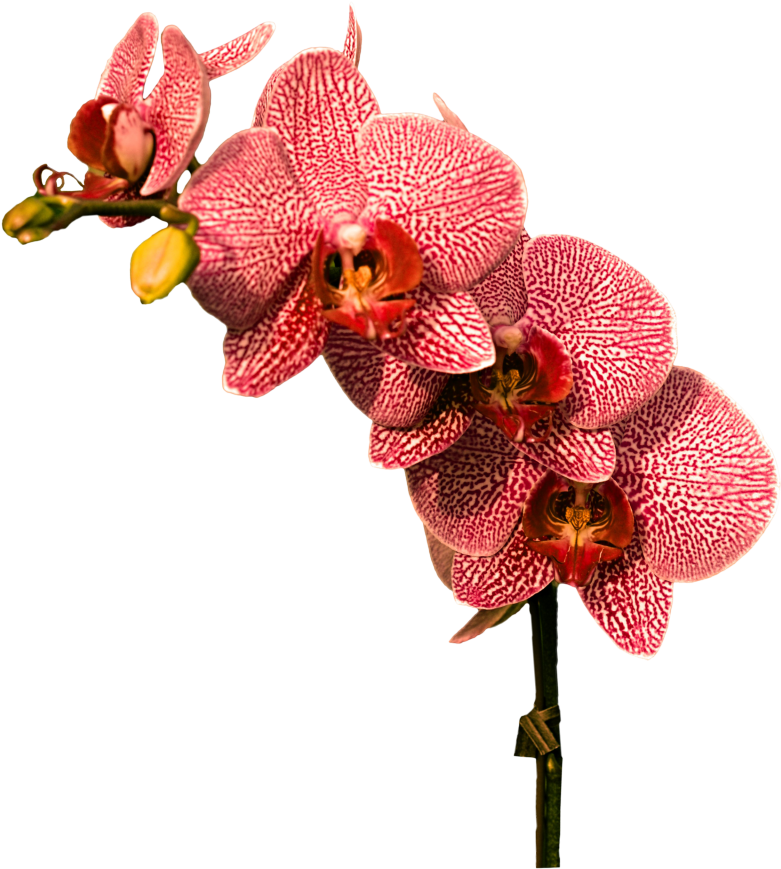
[(700, 479), (386, 389), (471, 496), (630, 603), (618, 328), (444, 333), (287, 339), (577, 454), (443, 425), (461, 199), (125, 74), (441, 557), (514, 574), (177, 110), (234, 54), (502, 295), (255, 226), (352, 42), (318, 105)]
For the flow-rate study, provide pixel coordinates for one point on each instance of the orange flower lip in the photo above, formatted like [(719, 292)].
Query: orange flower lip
[(363, 282)]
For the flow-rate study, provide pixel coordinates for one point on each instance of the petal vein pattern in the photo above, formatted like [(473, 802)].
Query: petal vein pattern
[(235, 53), (127, 69), (502, 295)]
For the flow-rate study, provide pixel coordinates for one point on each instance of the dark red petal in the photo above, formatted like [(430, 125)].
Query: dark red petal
[(99, 187), (405, 268), (441, 557), (88, 134), (538, 521), (554, 368)]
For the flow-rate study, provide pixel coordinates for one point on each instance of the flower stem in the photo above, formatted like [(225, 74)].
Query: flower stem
[(72, 209)]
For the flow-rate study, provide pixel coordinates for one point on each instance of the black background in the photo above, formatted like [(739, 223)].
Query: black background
[(238, 576)]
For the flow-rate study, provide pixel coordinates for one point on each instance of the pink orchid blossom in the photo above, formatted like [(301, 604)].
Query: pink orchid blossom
[(136, 147), (693, 489), (582, 340), (332, 215)]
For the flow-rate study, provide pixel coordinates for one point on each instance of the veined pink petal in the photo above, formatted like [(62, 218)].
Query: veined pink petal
[(318, 105), (255, 226), (234, 54), (514, 574), (441, 557), (577, 454), (443, 425), (352, 42), (177, 109), (618, 328), (444, 333), (126, 71), (286, 339), (471, 496), (700, 479), (461, 199), (502, 295), (386, 389), (630, 603)]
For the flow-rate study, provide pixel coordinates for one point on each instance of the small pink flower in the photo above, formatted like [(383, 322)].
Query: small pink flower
[(699, 480), (136, 147), (331, 213)]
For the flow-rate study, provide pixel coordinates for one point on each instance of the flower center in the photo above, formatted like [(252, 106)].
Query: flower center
[(577, 525), (532, 373), (363, 280)]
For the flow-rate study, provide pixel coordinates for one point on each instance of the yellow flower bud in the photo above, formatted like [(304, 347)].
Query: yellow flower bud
[(161, 262), (27, 221)]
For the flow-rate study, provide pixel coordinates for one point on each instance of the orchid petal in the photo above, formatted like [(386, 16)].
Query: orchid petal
[(234, 54), (287, 339), (386, 389), (471, 496), (502, 295), (352, 42), (448, 115), (443, 333), (255, 226), (577, 454), (630, 603), (442, 426), (617, 327), (513, 574), (127, 69), (318, 106), (700, 478), (441, 557), (461, 199), (177, 109)]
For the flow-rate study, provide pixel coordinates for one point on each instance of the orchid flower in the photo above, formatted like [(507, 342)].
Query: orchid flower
[(331, 213), (581, 338), (693, 489), (136, 147)]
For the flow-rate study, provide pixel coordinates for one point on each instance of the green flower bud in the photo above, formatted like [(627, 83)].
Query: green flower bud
[(28, 220), (161, 262)]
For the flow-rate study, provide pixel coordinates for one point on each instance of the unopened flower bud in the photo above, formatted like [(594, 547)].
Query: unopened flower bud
[(28, 220), (161, 262)]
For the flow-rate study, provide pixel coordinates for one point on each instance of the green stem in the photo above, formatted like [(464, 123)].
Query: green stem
[(71, 209)]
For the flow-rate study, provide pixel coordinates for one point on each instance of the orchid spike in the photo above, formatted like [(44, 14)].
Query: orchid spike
[(693, 490), (351, 222), (134, 147)]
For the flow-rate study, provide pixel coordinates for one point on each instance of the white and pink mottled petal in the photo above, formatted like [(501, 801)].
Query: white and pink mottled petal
[(444, 333), (259, 116), (443, 425), (513, 574), (629, 602), (502, 295), (389, 391), (255, 226), (234, 54), (353, 39), (462, 200), (127, 69), (286, 340), (318, 104), (618, 328), (441, 557), (578, 454), (471, 495), (701, 481), (177, 110)]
